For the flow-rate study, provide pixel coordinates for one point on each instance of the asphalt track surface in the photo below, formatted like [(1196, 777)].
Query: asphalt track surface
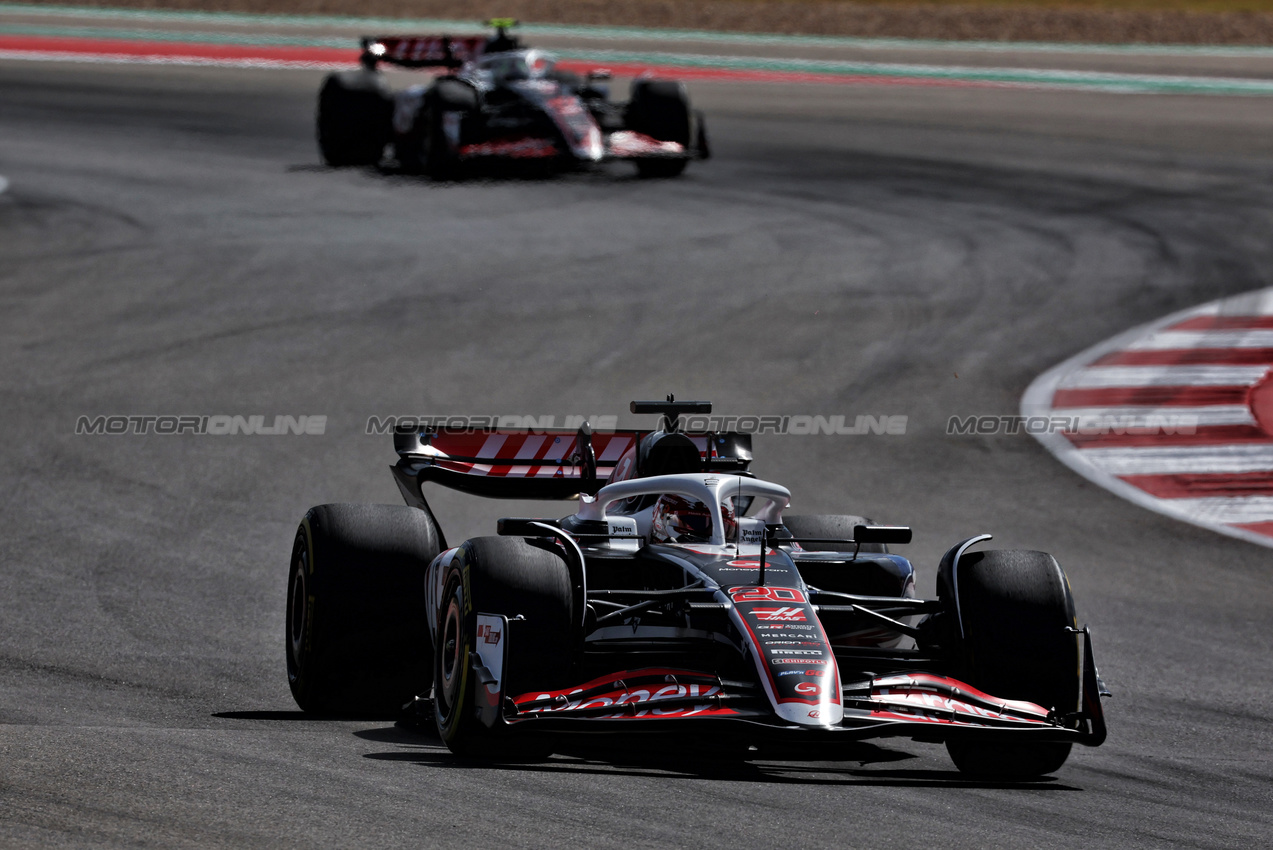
[(169, 245)]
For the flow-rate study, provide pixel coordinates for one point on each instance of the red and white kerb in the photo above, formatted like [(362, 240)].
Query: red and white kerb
[(1176, 415)]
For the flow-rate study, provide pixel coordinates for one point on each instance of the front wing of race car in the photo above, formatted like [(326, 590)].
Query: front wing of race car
[(582, 137), (621, 145), (629, 144), (918, 705)]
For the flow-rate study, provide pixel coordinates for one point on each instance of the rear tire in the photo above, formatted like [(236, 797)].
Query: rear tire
[(514, 577), (830, 526), (1016, 607), (660, 109), (357, 637), (355, 118)]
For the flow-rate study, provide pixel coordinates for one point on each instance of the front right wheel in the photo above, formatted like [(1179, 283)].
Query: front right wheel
[(357, 638), (355, 111)]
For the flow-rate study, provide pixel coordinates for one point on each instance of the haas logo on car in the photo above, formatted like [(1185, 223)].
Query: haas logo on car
[(488, 635), (784, 613)]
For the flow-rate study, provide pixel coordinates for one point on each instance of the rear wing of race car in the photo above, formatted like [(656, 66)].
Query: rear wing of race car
[(539, 464), (422, 51), (437, 51)]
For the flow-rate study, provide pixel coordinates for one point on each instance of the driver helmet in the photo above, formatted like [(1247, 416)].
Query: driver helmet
[(680, 519)]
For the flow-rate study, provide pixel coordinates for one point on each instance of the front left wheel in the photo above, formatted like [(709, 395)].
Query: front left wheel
[(528, 581), (660, 109), (1017, 614)]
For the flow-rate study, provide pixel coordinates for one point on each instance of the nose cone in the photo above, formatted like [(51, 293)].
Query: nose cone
[(591, 146), (793, 658), (816, 701)]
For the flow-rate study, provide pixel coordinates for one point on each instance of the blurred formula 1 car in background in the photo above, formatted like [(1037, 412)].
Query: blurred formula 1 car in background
[(679, 600), (497, 100)]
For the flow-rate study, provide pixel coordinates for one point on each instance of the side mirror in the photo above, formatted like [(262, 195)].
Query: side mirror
[(899, 534)]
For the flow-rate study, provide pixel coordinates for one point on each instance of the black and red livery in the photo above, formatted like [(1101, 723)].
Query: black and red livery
[(762, 627), (494, 99)]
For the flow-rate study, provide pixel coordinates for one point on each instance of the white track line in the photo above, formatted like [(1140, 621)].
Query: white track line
[(1229, 510), (1166, 340), (1098, 377), (1181, 460), (1145, 416)]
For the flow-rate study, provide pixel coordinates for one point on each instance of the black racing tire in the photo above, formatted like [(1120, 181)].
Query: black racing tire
[(1016, 608), (514, 577), (426, 148), (660, 109), (357, 637), (831, 527), (355, 118)]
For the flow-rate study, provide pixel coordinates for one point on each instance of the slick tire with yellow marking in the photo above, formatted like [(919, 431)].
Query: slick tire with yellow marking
[(357, 634), (1016, 608), (519, 578)]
